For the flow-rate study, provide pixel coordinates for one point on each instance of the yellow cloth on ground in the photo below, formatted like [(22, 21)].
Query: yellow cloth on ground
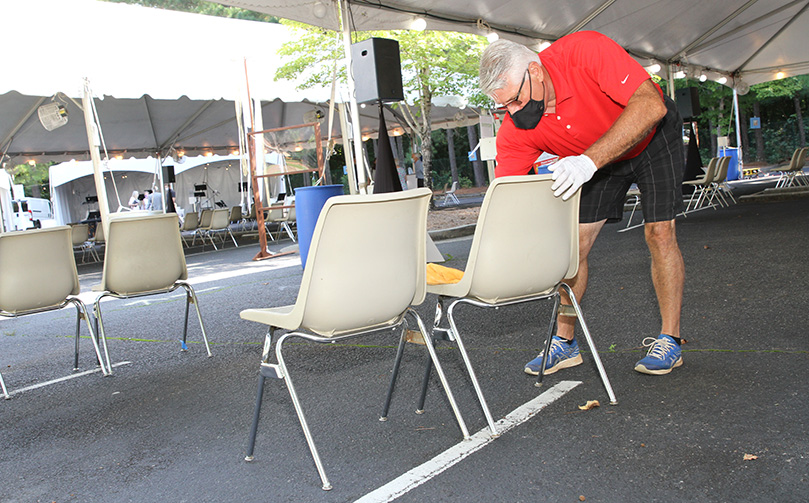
[(440, 275)]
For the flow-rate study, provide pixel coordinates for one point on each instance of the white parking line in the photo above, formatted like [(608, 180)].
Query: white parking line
[(54, 381), (452, 456)]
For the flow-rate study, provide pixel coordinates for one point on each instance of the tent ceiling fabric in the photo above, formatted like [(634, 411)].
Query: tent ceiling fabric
[(161, 79), (750, 39), (145, 126)]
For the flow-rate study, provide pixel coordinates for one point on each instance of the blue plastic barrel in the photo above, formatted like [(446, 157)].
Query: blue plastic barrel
[(733, 167), (308, 203)]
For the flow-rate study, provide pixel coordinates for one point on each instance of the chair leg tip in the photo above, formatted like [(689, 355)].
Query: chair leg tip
[(383, 418), (614, 402), (249, 458), (419, 411), (327, 487)]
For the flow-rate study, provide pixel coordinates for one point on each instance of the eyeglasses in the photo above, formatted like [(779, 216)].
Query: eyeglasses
[(517, 97)]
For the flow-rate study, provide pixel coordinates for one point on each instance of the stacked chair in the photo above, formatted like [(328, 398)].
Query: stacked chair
[(337, 300), (50, 286), (515, 257)]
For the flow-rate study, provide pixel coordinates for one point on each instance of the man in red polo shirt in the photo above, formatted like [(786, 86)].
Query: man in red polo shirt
[(587, 101)]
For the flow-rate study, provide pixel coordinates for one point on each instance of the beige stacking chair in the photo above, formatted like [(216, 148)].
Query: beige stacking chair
[(526, 243), (203, 226), (790, 173), (336, 300), (50, 285), (220, 224), (280, 219), (449, 195), (702, 186), (80, 234), (133, 270), (190, 224), (236, 217)]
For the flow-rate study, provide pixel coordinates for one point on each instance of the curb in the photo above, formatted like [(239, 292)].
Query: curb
[(452, 232)]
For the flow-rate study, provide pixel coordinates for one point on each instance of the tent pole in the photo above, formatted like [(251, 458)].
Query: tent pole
[(350, 171), (98, 176), (362, 182), (738, 132)]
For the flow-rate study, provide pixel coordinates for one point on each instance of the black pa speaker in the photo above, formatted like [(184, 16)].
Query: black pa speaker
[(377, 70), (168, 174), (687, 99)]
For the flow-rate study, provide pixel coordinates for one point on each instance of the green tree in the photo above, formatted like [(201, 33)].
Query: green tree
[(34, 179), (433, 64), (202, 7)]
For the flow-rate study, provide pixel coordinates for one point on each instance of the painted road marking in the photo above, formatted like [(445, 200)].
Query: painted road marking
[(55, 381), (455, 454)]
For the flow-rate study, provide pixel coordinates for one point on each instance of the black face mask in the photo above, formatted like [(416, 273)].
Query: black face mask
[(529, 116)]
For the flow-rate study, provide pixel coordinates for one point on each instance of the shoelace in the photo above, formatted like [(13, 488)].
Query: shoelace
[(658, 348)]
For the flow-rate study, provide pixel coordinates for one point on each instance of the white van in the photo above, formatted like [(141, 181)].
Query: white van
[(31, 212)]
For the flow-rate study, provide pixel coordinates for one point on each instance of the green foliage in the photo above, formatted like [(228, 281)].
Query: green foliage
[(315, 51), (28, 176), (202, 7)]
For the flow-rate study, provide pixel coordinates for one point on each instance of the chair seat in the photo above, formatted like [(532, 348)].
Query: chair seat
[(275, 316)]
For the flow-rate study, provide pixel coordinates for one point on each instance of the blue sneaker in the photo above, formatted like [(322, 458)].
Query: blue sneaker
[(561, 356), (664, 354)]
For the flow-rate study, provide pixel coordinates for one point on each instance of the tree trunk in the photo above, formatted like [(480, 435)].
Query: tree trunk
[(713, 130), (758, 134), (477, 165), (453, 165), (799, 119)]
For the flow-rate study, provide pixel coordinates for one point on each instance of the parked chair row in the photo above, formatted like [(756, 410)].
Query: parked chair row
[(712, 185), (211, 224), (514, 258), (130, 270), (792, 174)]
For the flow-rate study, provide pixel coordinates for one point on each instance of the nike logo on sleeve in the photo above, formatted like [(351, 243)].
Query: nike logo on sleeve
[(625, 78)]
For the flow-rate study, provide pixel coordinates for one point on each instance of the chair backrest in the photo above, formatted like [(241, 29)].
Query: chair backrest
[(802, 158), (98, 237), (79, 233), (721, 171), (144, 253), (190, 221), (453, 188), (276, 213), (235, 214), (205, 219), (252, 214), (291, 217), (526, 240), (50, 279), (220, 218), (710, 172), (795, 161), (366, 262)]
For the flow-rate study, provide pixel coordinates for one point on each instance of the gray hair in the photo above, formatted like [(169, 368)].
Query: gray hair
[(503, 59)]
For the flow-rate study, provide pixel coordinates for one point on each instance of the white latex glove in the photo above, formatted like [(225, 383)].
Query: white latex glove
[(570, 173)]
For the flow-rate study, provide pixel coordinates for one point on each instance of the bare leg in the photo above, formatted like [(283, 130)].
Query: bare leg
[(668, 273), (587, 236)]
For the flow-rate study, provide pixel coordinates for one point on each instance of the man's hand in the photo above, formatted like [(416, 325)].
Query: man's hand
[(570, 173)]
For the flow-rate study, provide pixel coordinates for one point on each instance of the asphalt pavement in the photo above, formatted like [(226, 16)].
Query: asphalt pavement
[(171, 426)]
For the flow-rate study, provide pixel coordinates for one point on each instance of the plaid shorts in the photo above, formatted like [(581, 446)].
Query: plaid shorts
[(658, 171)]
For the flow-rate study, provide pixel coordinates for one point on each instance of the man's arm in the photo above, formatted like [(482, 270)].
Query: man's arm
[(642, 113)]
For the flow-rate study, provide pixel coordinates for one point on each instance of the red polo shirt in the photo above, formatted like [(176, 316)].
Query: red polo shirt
[(593, 78)]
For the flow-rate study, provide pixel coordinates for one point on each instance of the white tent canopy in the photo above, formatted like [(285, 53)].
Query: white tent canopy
[(164, 81), (750, 40)]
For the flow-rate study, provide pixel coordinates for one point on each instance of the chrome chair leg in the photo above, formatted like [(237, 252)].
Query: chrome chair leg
[(470, 370), (395, 373), (299, 411), (604, 379), (557, 301)]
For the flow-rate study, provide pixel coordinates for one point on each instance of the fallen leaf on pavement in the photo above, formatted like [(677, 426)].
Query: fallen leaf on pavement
[(590, 405), (750, 457)]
